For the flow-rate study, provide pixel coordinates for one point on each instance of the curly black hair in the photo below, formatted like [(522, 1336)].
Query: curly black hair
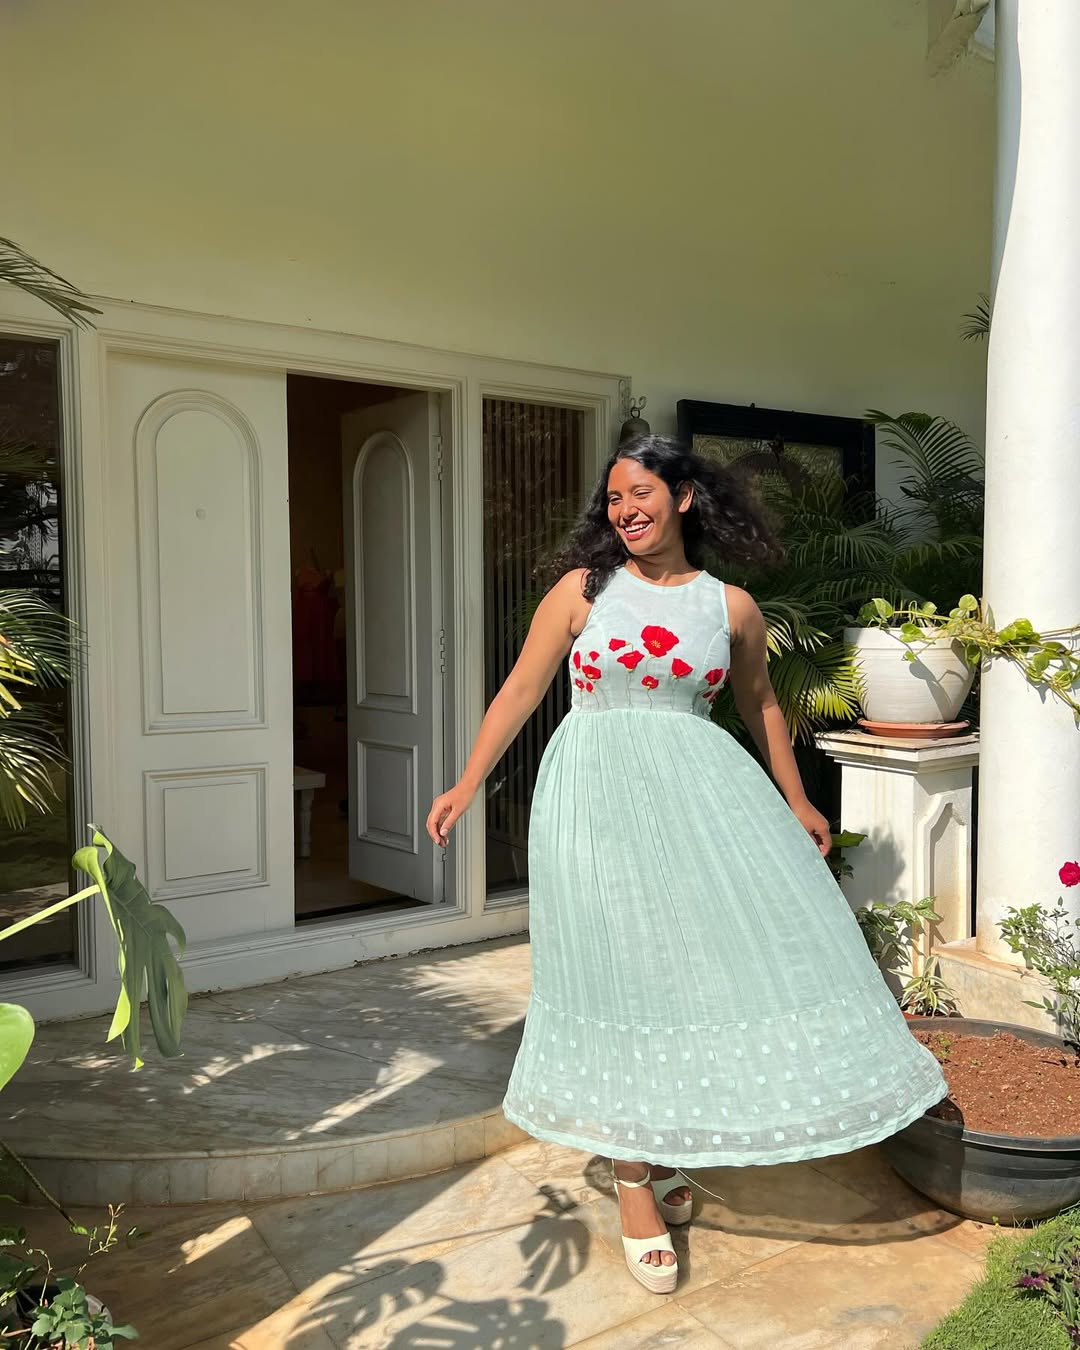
[(722, 525)]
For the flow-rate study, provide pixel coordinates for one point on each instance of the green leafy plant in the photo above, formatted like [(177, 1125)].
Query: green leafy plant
[(928, 995), (40, 1308), (977, 324), (1052, 1272), (1048, 942), (145, 934), (1047, 659), (842, 840), (893, 933)]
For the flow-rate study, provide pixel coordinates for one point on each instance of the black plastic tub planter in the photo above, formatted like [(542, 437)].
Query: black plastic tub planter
[(1002, 1177)]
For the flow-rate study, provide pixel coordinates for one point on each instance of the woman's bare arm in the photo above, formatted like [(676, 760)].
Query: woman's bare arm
[(559, 617), (759, 710)]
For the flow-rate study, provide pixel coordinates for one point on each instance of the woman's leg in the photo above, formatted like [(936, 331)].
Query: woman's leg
[(637, 1210)]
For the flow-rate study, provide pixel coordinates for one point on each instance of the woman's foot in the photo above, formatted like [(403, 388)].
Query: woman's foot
[(678, 1195), (638, 1213)]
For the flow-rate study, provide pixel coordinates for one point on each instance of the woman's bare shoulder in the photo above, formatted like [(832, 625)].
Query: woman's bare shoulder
[(743, 612)]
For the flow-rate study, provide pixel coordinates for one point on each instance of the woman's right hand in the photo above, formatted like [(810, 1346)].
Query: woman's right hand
[(446, 810)]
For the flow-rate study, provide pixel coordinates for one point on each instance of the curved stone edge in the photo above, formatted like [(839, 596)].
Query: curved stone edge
[(263, 1174)]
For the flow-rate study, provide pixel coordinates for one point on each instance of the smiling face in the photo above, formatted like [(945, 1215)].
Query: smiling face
[(642, 511)]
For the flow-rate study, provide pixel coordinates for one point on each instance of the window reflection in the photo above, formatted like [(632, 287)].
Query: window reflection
[(35, 861)]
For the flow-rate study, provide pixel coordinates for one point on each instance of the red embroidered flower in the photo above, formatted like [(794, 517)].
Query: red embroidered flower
[(588, 688), (650, 681), (594, 656), (1070, 874), (591, 672), (714, 676), (577, 660), (658, 641), (616, 643), (580, 684), (631, 660), (679, 668)]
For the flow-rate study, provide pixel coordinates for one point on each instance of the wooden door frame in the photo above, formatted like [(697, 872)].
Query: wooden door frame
[(463, 380)]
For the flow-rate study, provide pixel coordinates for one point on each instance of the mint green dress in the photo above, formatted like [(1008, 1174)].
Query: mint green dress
[(701, 993)]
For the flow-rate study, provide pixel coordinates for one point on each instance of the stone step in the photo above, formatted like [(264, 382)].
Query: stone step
[(381, 1072)]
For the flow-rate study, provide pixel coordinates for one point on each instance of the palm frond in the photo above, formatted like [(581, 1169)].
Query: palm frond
[(934, 447), (814, 688), (19, 269), (30, 752), (31, 631), (19, 459), (976, 325)]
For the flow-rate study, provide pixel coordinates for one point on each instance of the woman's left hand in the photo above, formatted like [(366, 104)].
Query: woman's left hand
[(815, 825)]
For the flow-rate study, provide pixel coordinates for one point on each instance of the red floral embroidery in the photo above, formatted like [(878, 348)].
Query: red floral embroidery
[(714, 676), (616, 643), (658, 641), (591, 672), (577, 660), (594, 656), (588, 688), (631, 660), (580, 684), (679, 668), (650, 681)]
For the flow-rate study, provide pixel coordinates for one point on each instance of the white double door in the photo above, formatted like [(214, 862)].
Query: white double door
[(197, 771)]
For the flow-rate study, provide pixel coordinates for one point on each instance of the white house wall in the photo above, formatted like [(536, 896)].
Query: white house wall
[(770, 202)]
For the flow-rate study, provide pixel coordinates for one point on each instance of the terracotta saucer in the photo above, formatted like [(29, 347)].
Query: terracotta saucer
[(914, 731)]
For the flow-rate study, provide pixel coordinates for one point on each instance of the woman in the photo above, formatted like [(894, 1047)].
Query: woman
[(701, 992)]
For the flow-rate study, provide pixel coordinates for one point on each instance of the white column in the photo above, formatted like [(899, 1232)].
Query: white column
[(1029, 799)]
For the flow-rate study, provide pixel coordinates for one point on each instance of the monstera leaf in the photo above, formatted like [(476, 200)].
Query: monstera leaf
[(16, 1035), (145, 956)]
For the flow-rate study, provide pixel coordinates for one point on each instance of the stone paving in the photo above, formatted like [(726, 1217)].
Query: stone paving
[(521, 1250)]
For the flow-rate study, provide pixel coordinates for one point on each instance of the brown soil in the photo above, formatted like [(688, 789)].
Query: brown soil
[(1004, 1085)]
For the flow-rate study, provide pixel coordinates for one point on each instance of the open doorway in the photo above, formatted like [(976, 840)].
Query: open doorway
[(366, 540)]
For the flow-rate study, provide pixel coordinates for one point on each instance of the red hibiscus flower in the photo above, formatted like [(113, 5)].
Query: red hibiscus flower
[(714, 676), (577, 660), (1070, 874), (658, 641), (631, 659), (679, 668), (616, 643), (650, 681), (591, 672)]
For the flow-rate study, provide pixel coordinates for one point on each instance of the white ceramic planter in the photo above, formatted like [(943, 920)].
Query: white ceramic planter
[(930, 689)]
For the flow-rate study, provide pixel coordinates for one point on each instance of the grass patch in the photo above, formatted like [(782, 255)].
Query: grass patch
[(996, 1315)]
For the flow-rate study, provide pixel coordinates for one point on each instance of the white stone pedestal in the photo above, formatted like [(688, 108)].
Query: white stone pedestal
[(912, 799)]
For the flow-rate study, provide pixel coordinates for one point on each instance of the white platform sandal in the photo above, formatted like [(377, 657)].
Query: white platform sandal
[(656, 1279), (672, 1214)]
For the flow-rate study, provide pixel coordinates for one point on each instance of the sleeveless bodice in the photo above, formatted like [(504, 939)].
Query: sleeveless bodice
[(653, 648)]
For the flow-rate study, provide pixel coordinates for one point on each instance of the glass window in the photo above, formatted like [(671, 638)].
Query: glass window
[(533, 456), (35, 861)]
